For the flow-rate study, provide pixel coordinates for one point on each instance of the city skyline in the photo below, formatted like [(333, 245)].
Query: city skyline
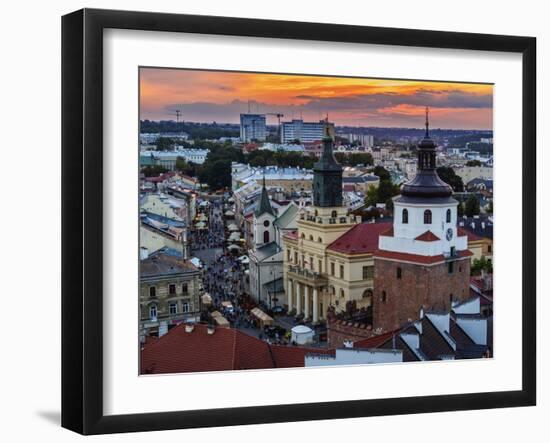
[(221, 96)]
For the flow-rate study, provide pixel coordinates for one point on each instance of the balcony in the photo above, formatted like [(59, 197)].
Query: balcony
[(307, 276)]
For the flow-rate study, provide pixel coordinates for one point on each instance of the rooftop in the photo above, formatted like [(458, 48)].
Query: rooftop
[(361, 239), (225, 349)]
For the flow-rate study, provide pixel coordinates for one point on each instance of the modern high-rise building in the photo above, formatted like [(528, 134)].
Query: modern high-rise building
[(253, 127), (304, 131)]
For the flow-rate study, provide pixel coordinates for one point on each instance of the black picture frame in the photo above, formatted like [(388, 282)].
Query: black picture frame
[(82, 189)]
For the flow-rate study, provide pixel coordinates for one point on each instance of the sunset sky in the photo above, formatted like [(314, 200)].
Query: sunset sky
[(206, 96)]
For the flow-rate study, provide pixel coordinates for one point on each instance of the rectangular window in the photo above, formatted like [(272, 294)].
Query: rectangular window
[(184, 288), (311, 262), (185, 307), (171, 289), (296, 257), (332, 269), (450, 267), (173, 308), (368, 272), (341, 271), (152, 291), (288, 255), (153, 312), (320, 266)]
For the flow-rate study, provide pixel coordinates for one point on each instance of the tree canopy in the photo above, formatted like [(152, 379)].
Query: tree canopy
[(472, 206), (448, 175)]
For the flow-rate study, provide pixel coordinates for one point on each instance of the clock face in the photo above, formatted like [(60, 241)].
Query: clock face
[(449, 234)]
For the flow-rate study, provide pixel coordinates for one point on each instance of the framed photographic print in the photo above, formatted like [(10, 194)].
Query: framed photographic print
[(270, 221)]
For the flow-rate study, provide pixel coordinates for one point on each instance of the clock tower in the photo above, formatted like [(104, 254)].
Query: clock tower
[(422, 262)]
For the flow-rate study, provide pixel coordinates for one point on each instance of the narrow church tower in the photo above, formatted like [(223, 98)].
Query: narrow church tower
[(264, 231), (422, 261), (327, 176)]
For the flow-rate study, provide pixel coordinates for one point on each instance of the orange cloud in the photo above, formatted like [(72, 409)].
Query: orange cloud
[(359, 100)]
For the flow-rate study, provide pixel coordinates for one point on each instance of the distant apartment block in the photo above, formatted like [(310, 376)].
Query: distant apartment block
[(365, 140), (253, 127), (303, 131)]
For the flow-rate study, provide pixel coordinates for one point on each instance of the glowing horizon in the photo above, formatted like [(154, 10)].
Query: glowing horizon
[(221, 96)]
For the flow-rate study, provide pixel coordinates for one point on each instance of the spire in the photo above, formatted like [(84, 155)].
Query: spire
[(426, 183), (427, 122), (264, 205), (327, 174)]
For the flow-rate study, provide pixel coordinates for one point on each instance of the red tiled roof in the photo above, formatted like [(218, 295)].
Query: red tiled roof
[(427, 236), (198, 351), (374, 342), (461, 232), (293, 356), (388, 233), (415, 258), (361, 239), (292, 235), (226, 349)]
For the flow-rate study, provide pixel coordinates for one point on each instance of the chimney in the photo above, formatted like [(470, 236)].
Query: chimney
[(348, 344), (189, 328), (210, 329)]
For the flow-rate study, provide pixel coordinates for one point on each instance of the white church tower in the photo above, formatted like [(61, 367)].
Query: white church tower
[(422, 262), (425, 214), (264, 216)]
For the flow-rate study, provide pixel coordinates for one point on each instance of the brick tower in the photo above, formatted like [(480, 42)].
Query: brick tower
[(421, 262)]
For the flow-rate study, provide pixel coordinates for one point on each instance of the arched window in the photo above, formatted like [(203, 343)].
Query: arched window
[(342, 293), (266, 236), (405, 217), (399, 272), (302, 235), (448, 216), (311, 237), (427, 217), (320, 240), (334, 214)]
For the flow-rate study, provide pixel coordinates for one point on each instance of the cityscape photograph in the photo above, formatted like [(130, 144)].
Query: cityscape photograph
[(291, 221)]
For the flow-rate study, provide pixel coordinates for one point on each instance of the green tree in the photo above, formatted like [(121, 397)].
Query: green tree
[(472, 206), (382, 172), (460, 209), (448, 175), (187, 168), (360, 158), (165, 144), (153, 171), (386, 190), (372, 196), (481, 264)]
